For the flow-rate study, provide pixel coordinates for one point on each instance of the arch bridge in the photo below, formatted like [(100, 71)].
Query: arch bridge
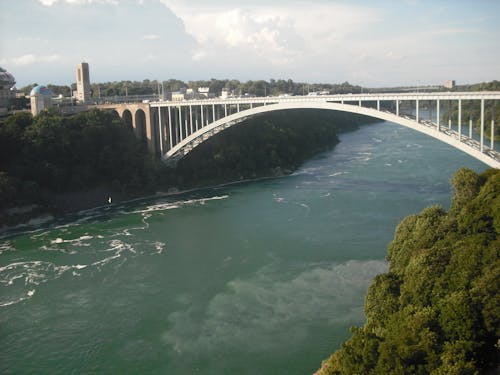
[(173, 129)]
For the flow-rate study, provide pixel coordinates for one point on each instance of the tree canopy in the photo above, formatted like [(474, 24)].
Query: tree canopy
[(437, 310)]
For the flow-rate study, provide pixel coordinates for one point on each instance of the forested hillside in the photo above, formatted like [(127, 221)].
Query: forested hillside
[(437, 310), (48, 159), (272, 144)]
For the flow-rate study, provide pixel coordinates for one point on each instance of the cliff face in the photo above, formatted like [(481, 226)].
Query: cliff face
[(437, 310)]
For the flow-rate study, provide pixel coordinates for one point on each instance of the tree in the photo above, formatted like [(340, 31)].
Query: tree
[(437, 310)]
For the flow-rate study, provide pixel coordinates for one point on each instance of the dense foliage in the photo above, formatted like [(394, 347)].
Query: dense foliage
[(437, 310), (53, 154), (50, 155), (265, 145)]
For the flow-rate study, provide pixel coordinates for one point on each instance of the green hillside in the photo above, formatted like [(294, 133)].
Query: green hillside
[(437, 309)]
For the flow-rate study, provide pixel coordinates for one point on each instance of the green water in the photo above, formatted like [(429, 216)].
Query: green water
[(262, 277)]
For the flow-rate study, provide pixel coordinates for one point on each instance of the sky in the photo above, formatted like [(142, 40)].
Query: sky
[(369, 43)]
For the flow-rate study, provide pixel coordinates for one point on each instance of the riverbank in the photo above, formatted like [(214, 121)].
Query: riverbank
[(80, 202)]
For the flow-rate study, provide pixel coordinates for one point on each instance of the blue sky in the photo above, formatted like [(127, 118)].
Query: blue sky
[(371, 43)]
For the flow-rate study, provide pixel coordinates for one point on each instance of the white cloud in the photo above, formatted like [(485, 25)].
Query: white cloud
[(280, 35), (451, 31), (30, 59), (48, 3), (151, 37), (77, 2)]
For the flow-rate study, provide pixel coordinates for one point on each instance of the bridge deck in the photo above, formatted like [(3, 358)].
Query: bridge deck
[(176, 127), (473, 95)]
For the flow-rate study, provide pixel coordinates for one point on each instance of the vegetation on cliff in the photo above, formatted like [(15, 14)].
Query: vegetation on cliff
[(437, 309), (266, 145), (48, 156)]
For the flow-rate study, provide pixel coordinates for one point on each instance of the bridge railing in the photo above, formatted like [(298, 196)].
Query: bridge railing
[(117, 99)]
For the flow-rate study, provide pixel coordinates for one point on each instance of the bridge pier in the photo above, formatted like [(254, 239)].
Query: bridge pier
[(416, 110), (437, 115), (492, 146), (460, 120), (482, 124), (160, 130)]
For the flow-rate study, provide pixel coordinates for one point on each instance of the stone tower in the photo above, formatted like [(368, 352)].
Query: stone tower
[(82, 83)]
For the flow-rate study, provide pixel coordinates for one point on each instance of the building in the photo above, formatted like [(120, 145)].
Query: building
[(449, 84), (226, 93), (41, 99), (178, 96), (7, 92), (203, 92), (189, 94), (82, 83)]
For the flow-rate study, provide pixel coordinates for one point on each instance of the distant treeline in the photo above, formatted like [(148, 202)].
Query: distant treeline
[(258, 88), (49, 156), (437, 309)]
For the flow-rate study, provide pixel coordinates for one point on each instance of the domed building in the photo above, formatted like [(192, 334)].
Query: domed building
[(41, 99), (7, 82)]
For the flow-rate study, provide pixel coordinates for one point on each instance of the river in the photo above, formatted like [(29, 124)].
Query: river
[(261, 277)]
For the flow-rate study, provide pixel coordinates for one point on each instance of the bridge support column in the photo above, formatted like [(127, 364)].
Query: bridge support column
[(225, 110), (492, 141), (493, 126), (437, 114), (397, 107), (213, 112), (429, 102), (378, 105), (191, 118), (460, 120), (449, 114), (170, 128), (180, 122), (482, 125), (416, 110), (160, 130), (202, 123)]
